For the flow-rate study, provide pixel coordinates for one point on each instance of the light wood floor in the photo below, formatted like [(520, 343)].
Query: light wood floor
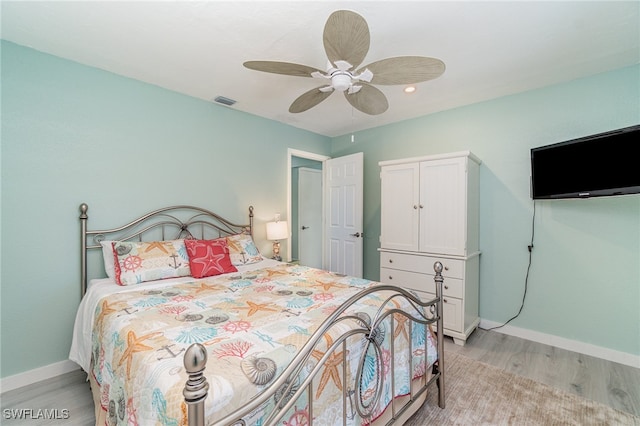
[(612, 384), (609, 383)]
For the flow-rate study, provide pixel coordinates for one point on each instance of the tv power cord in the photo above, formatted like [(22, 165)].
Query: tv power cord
[(526, 279)]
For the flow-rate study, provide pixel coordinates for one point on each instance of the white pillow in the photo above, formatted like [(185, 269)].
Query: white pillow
[(107, 254)]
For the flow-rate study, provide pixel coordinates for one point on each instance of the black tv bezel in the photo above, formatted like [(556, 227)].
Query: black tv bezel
[(586, 193)]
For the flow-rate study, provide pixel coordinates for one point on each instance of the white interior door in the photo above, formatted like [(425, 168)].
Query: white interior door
[(343, 214), (310, 217)]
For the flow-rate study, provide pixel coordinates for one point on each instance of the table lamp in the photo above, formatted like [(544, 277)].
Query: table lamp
[(277, 231)]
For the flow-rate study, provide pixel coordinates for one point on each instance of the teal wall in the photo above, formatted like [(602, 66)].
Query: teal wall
[(73, 134), (584, 282)]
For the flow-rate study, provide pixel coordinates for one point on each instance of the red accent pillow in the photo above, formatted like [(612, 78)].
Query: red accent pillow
[(209, 257)]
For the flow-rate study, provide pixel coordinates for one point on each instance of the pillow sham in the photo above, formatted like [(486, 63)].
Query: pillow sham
[(243, 250), (209, 257), (137, 262), (108, 257)]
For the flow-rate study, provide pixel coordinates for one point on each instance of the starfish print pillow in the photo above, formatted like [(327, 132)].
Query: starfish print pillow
[(209, 257)]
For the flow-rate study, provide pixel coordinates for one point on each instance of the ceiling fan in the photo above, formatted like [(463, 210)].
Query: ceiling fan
[(346, 43)]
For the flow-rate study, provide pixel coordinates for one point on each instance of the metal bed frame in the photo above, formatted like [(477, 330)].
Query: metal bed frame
[(202, 223)]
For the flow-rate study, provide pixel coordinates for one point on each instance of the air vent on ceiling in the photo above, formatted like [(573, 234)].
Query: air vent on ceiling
[(224, 101)]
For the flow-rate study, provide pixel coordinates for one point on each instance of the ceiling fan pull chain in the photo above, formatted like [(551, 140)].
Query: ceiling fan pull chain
[(352, 135)]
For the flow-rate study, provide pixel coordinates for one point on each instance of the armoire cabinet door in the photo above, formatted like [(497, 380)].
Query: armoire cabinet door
[(443, 206), (399, 206)]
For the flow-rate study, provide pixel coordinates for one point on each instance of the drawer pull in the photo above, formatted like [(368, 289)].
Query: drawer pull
[(445, 300), (446, 287), (390, 277), (390, 260), (446, 268)]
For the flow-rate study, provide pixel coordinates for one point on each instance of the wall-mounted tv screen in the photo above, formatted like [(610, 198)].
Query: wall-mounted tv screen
[(594, 166)]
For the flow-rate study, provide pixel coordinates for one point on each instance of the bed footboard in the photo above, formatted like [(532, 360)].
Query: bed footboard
[(196, 388)]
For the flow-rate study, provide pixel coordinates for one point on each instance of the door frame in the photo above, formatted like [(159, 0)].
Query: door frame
[(309, 156)]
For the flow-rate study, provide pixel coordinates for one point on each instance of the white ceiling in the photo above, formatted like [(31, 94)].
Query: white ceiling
[(491, 49)]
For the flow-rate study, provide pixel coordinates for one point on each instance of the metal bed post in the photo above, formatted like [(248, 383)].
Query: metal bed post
[(197, 387), (83, 248), (437, 267)]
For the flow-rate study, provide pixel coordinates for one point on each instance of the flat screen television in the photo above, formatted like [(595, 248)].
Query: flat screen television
[(599, 165)]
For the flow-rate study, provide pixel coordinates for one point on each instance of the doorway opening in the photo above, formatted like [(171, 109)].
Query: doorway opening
[(296, 161)]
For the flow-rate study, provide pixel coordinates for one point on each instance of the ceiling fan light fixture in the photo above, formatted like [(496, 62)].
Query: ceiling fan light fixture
[(341, 82), (410, 89)]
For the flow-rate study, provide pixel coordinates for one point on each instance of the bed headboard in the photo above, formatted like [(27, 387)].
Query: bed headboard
[(167, 223)]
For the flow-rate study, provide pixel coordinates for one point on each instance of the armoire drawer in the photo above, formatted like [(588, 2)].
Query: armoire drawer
[(422, 282), (453, 268)]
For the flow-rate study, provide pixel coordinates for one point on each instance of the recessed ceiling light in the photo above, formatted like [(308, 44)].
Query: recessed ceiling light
[(409, 89)]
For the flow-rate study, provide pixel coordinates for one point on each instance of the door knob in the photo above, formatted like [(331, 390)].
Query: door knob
[(305, 227), (357, 234)]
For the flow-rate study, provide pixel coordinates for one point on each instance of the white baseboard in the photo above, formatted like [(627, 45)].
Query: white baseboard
[(37, 375), (568, 344)]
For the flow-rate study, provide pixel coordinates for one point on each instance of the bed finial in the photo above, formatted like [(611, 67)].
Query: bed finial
[(251, 220), (196, 389), (83, 210)]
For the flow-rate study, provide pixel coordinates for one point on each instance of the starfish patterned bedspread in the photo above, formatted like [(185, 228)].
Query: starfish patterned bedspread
[(252, 325)]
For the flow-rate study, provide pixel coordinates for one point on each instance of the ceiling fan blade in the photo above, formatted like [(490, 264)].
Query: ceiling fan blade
[(404, 70), (309, 99), (368, 99), (286, 68), (346, 37)]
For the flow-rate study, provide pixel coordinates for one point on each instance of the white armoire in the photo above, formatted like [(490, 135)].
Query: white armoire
[(429, 213)]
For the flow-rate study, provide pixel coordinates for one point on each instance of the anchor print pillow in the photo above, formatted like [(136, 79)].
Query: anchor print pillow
[(209, 257), (137, 262), (243, 250)]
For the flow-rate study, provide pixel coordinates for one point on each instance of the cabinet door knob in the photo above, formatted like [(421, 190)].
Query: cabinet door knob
[(445, 300), (415, 207), (390, 277), (421, 206), (446, 287), (390, 260)]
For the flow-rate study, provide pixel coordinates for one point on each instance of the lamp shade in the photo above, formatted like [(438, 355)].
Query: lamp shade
[(277, 230)]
